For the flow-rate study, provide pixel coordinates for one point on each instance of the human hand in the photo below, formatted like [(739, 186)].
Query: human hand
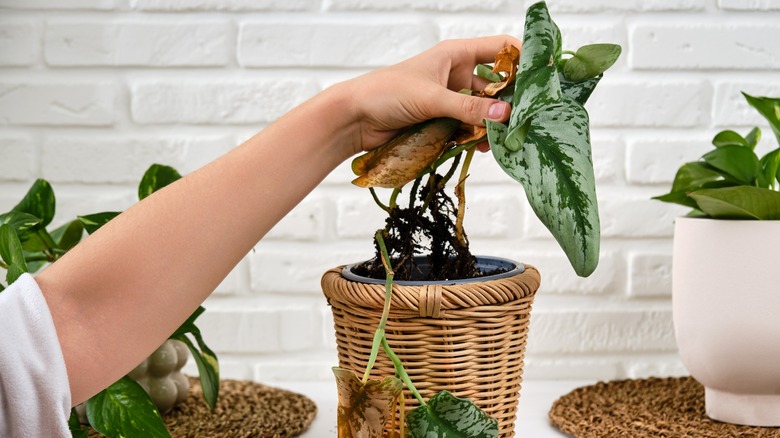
[(424, 87)]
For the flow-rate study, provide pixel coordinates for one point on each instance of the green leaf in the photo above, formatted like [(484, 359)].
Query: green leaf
[(591, 61), (729, 138), (68, 235), (446, 416), (753, 137), (205, 359), (769, 107), (536, 84), (39, 202), (694, 176), (92, 222), (363, 410), (555, 168), (76, 429), (770, 163), (486, 72), (740, 202), (208, 368), (24, 224), (155, 178), (11, 253), (739, 162), (124, 409), (579, 91)]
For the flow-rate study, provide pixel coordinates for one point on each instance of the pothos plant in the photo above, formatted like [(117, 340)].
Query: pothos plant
[(26, 245), (731, 181), (545, 146)]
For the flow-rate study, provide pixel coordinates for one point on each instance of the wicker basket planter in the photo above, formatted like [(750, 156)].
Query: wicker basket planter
[(468, 338)]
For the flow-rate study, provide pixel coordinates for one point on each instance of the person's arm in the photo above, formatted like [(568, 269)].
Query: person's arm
[(121, 292)]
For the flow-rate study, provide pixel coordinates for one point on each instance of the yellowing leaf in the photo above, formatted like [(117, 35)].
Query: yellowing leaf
[(363, 410), (404, 157)]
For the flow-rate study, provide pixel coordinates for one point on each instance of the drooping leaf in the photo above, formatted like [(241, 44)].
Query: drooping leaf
[(769, 107), (155, 178), (68, 235), (39, 201), (124, 409), (591, 61), (405, 156), (205, 359), (739, 202), (739, 162), (93, 222), (729, 138), (11, 253), (363, 410), (447, 416), (555, 168), (579, 91)]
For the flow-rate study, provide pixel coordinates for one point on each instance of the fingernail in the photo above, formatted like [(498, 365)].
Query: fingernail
[(496, 111)]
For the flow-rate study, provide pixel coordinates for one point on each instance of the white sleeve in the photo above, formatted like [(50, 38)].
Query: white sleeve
[(34, 388)]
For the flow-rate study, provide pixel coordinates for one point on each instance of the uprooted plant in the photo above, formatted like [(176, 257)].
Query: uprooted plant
[(545, 146)]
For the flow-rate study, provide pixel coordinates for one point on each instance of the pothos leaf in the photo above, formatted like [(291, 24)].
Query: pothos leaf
[(93, 222), (11, 253), (579, 91), (76, 429), (125, 409), (155, 178), (205, 358), (447, 416), (363, 410), (39, 202)]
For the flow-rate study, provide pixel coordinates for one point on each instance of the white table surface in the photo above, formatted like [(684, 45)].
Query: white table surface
[(536, 399)]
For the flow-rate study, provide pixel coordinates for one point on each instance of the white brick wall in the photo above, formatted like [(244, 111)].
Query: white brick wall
[(93, 91)]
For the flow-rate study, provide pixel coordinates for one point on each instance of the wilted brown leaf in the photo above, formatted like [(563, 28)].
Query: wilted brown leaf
[(506, 66), (403, 158), (363, 410), (467, 133)]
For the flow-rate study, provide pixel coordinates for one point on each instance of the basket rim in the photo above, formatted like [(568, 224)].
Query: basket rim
[(485, 261)]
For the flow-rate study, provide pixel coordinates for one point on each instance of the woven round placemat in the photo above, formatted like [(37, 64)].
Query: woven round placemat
[(244, 409), (654, 407)]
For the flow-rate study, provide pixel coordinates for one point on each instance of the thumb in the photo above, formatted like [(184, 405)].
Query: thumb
[(471, 109)]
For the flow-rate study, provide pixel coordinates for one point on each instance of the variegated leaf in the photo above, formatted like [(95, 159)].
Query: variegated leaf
[(447, 416), (554, 166), (537, 81), (579, 91)]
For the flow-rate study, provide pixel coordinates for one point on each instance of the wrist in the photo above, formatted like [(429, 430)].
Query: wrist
[(337, 109)]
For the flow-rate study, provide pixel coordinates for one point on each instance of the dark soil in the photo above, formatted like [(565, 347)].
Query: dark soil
[(426, 227)]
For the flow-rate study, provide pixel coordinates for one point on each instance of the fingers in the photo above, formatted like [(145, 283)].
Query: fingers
[(470, 109), (484, 49)]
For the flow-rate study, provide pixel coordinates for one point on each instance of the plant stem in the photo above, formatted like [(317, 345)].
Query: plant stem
[(39, 258), (399, 369), (460, 191), (3, 265), (379, 335), (393, 198), (378, 202), (457, 150), (567, 52)]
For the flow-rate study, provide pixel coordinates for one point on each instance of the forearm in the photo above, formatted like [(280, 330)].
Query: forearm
[(121, 292)]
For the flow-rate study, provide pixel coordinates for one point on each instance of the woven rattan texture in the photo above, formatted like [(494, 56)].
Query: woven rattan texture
[(244, 409), (668, 407), (468, 338)]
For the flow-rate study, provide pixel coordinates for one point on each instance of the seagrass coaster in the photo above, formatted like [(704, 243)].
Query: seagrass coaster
[(654, 407), (244, 409)]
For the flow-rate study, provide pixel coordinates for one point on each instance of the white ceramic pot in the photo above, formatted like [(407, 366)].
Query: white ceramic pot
[(726, 300)]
